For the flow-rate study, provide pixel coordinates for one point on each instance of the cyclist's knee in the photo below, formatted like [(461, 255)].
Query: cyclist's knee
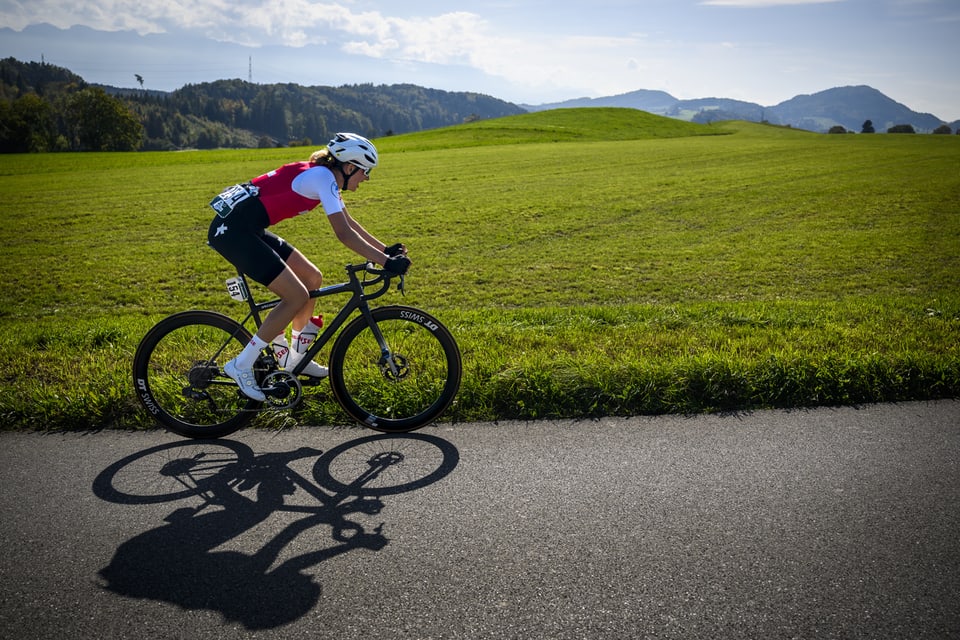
[(291, 289), (313, 279), (298, 296), (305, 270)]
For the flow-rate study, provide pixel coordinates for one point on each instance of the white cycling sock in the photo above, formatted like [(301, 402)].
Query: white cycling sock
[(303, 338), (250, 353)]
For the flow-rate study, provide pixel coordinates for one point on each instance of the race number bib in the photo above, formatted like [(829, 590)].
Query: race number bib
[(224, 203)]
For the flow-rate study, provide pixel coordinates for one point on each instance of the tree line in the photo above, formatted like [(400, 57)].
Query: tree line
[(48, 108), (897, 128)]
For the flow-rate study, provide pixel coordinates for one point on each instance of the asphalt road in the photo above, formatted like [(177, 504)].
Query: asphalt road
[(827, 523)]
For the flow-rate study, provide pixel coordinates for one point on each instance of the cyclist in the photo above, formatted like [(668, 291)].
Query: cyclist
[(239, 233)]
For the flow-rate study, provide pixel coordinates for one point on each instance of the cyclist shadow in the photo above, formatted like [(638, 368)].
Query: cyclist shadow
[(179, 562)]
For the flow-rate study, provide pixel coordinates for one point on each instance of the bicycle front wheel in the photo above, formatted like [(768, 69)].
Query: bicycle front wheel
[(405, 387), (178, 375)]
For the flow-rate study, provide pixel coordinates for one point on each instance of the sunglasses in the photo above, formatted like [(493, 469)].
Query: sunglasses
[(366, 171)]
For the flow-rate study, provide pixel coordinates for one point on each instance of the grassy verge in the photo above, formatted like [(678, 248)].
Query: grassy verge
[(660, 271), (561, 362)]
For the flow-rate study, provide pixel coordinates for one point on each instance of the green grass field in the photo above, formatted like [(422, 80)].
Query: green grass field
[(589, 262)]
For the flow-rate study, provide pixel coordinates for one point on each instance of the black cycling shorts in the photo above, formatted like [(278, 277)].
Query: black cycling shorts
[(242, 238)]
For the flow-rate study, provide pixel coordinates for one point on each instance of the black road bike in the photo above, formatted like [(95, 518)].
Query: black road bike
[(391, 368)]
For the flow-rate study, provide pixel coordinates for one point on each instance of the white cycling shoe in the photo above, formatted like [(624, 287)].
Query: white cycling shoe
[(288, 358), (312, 369), (245, 380)]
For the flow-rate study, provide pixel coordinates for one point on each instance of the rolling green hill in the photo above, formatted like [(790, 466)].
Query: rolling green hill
[(561, 125), (590, 262)]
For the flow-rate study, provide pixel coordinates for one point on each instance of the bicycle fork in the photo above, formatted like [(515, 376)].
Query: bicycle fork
[(391, 365)]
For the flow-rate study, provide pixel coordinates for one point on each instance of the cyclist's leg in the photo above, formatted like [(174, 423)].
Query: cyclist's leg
[(243, 240), (305, 271), (293, 296), (304, 331), (311, 278)]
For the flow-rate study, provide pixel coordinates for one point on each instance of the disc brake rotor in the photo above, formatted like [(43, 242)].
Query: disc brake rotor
[(394, 367)]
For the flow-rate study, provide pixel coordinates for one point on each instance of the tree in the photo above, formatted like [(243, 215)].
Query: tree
[(868, 127), (27, 125), (901, 128), (837, 129), (98, 122), (943, 129)]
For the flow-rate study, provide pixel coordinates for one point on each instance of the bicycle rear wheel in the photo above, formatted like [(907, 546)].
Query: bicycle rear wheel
[(413, 390), (178, 376)]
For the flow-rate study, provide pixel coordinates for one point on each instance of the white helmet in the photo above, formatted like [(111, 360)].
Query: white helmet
[(357, 150)]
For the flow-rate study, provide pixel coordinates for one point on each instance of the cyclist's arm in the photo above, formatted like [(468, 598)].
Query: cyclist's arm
[(363, 233), (356, 238)]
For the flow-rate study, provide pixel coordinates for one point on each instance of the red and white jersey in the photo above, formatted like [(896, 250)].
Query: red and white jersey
[(296, 188)]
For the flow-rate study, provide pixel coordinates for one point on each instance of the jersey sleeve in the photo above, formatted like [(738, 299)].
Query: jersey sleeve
[(318, 183)]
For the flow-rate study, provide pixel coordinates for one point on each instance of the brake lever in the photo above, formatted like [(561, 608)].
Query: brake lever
[(401, 286)]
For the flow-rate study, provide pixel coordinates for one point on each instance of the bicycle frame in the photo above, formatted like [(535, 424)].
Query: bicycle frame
[(359, 300)]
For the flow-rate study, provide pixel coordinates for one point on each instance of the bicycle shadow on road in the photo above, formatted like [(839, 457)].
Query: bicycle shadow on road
[(231, 491)]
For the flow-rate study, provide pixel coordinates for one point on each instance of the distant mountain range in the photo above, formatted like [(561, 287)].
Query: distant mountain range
[(848, 107)]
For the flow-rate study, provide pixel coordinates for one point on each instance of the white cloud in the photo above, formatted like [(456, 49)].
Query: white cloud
[(450, 38), (460, 38)]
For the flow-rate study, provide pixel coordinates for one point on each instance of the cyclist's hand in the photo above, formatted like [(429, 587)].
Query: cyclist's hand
[(397, 249), (397, 265)]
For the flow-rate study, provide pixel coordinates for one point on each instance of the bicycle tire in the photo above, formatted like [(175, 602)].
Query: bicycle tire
[(395, 402), (178, 376)]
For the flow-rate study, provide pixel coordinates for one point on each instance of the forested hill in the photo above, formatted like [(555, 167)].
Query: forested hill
[(289, 113), (226, 113)]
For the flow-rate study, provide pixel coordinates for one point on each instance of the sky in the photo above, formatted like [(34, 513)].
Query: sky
[(523, 51)]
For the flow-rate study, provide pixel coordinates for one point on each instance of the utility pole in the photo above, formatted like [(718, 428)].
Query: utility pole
[(250, 70)]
